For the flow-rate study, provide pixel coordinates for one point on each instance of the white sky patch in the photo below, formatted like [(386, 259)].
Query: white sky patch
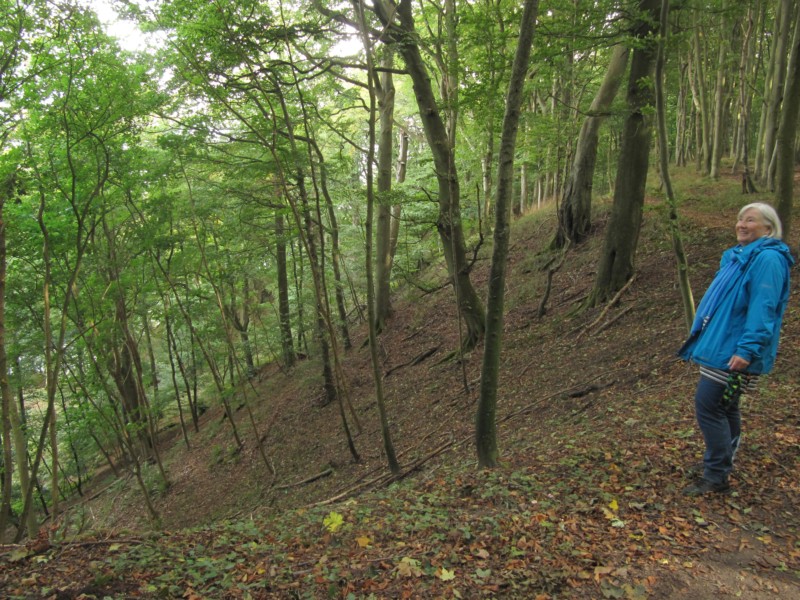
[(127, 33)]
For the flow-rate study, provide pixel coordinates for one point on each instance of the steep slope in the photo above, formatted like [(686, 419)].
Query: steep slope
[(596, 429)]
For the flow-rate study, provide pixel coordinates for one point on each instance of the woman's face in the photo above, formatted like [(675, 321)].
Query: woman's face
[(751, 227)]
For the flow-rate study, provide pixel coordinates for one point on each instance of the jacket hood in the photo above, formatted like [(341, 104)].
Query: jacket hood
[(743, 254)]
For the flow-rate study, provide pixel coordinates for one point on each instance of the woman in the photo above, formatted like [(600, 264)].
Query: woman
[(734, 337)]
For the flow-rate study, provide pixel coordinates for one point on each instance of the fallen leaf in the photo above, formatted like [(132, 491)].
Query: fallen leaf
[(409, 567)]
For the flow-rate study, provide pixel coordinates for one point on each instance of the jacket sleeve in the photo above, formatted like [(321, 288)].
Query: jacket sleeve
[(767, 283)]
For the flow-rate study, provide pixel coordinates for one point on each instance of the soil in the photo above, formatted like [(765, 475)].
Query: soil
[(593, 404)]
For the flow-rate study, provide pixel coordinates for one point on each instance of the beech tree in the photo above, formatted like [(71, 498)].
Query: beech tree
[(384, 91), (72, 140), (787, 134), (575, 211), (622, 234), (14, 30), (773, 93), (399, 21), (486, 428), (663, 162)]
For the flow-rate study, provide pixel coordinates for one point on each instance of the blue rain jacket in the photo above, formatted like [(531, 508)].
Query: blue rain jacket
[(746, 320)]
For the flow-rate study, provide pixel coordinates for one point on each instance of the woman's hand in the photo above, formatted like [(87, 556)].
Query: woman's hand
[(737, 363)]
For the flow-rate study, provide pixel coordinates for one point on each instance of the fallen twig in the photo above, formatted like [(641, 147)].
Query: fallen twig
[(551, 271), (320, 475), (414, 361), (608, 307)]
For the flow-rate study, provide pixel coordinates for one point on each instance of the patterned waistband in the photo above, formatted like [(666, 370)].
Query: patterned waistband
[(749, 380)]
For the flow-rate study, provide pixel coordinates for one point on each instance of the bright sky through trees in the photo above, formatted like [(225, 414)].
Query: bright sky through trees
[(127, 32)]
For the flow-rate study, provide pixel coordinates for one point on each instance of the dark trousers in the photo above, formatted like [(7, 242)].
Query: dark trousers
[(721, 427)]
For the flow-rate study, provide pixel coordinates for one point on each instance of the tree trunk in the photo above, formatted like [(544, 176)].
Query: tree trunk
[(663, 154), (331, 369), (125, 362), (241, 323), (151, 356), (6, 189), (485, 423), (701, 100), (745, 103), (622, 236), (336, 255), (383, 259), (173, 373), (787, 132), (284, 308), (384, 164), (681, 119), (769, 74), (449, 223), (720, 93), (21, 450), (52, 362), (775, 95), (575, 212), (400, 177)]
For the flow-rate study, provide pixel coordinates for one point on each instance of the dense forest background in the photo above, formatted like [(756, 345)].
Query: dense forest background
[(244, 194)]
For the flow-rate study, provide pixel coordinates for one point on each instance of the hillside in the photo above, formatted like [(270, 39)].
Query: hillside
[(596, 428)]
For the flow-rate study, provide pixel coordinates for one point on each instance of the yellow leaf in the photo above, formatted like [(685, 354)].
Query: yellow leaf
[(363, 541), (613, 505), (333, 521), (446, 575)]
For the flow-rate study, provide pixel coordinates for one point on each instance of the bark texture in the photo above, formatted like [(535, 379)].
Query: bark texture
[(622, 236), (486, 426), (575, 212), (399, 22)]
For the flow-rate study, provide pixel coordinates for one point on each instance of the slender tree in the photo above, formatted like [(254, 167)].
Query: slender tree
[(718, 130), (388, 445), (7, 184), (663, 156), (485, 426), (384, 90), (399, 22), (745, 104), (787, 134), (774, 93)]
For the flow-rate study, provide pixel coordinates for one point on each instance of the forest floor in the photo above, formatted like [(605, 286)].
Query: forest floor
[(596, 428)]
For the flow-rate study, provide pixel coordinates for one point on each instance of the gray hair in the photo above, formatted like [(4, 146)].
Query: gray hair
[(770, 217)]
